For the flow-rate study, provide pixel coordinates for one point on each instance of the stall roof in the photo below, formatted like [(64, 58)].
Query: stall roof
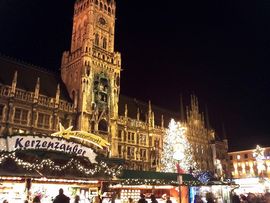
[(144, 175), (34, 163)]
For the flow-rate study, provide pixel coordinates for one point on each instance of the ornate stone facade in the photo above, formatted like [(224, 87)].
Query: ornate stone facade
[(87, 96)]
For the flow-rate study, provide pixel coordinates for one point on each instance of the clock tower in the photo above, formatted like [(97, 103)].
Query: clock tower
[(91, 69)]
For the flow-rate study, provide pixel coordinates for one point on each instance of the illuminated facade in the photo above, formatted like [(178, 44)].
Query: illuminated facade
[(87, 96), (250, 163)]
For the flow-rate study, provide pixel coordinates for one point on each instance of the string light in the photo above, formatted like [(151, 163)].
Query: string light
[(72, 163), (159, 182), (175, 144)]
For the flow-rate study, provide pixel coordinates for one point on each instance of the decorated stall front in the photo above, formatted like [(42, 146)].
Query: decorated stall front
[(212, 188), (39, 165), (134, 183)]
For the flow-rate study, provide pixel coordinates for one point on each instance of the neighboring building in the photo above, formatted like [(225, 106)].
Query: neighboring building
[(221, 158), (250, 163), (199, 136), (87, 96)]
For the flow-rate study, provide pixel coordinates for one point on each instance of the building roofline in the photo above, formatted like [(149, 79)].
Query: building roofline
[(247, 150), (25, 64)]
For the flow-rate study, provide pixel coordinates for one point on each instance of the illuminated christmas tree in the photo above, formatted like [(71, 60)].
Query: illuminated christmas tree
[(176, 149)]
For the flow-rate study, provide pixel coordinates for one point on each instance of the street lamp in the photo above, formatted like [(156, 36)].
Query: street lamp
[(178, 156)]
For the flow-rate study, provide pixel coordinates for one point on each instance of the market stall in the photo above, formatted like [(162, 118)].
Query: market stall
[(38, 165), (219, 192), (133, 183)]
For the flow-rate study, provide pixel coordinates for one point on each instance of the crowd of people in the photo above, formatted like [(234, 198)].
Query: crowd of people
[(60, 198), (209, 198), (251, 198), (242, 198)]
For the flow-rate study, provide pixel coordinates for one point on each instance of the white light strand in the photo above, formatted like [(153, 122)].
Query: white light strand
[(175, 144), (102, 166)]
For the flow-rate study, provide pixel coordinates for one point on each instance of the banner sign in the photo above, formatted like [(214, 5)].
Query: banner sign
[(89, 137), (18, 142)]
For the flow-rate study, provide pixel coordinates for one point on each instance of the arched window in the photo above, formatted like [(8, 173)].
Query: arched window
[(97, 39), (105, 7), (103, 126), (88, 71), (101, 6), (96, 2), (104, 45), (109, 9)]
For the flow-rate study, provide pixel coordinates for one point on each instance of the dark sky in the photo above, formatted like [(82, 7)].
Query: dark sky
[(216, 49)]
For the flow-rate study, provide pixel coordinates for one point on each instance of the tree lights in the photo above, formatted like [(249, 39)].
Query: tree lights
[(176, 147)]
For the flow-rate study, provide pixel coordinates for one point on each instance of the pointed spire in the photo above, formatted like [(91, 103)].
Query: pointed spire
[(57, 96), (149, 114), (153, 119), (149, 108), (126, 110), (162, 121), (37, 88), (14, 83), (182, 111), (138, 114)]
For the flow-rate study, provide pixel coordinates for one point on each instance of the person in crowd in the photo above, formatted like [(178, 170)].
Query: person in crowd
[(113, 197), (235, 198), (61, 198), (168, 199), (5, 201), (97, 199), (210, 197), (130, 200), (25, 201), (77, 199), (153, 199), (243, 198), (198, 199), (36, 199), (142, 199), (267, 197), (251, 198)]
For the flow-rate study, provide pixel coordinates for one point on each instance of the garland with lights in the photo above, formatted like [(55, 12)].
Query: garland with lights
[(159, 182), (72, 163)]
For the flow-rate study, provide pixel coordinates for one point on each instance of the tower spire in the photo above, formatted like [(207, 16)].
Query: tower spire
[(182, 111), (57, 95), (91, 68), (138, 114), (14, 83), (126, 110), (37, 88)]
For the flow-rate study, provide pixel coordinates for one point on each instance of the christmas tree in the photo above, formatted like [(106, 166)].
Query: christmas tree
[(176, 150)]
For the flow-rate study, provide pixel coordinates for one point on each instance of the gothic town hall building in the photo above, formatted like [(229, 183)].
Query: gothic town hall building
[(86, 95)]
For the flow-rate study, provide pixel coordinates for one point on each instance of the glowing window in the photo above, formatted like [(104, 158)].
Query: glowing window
[(43, 120), (238, 157), (20, 116)]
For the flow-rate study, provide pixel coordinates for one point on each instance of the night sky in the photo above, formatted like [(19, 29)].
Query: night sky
[(217, 50)]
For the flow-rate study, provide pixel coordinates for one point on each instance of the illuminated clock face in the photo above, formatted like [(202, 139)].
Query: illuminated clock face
[(102, 21)]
